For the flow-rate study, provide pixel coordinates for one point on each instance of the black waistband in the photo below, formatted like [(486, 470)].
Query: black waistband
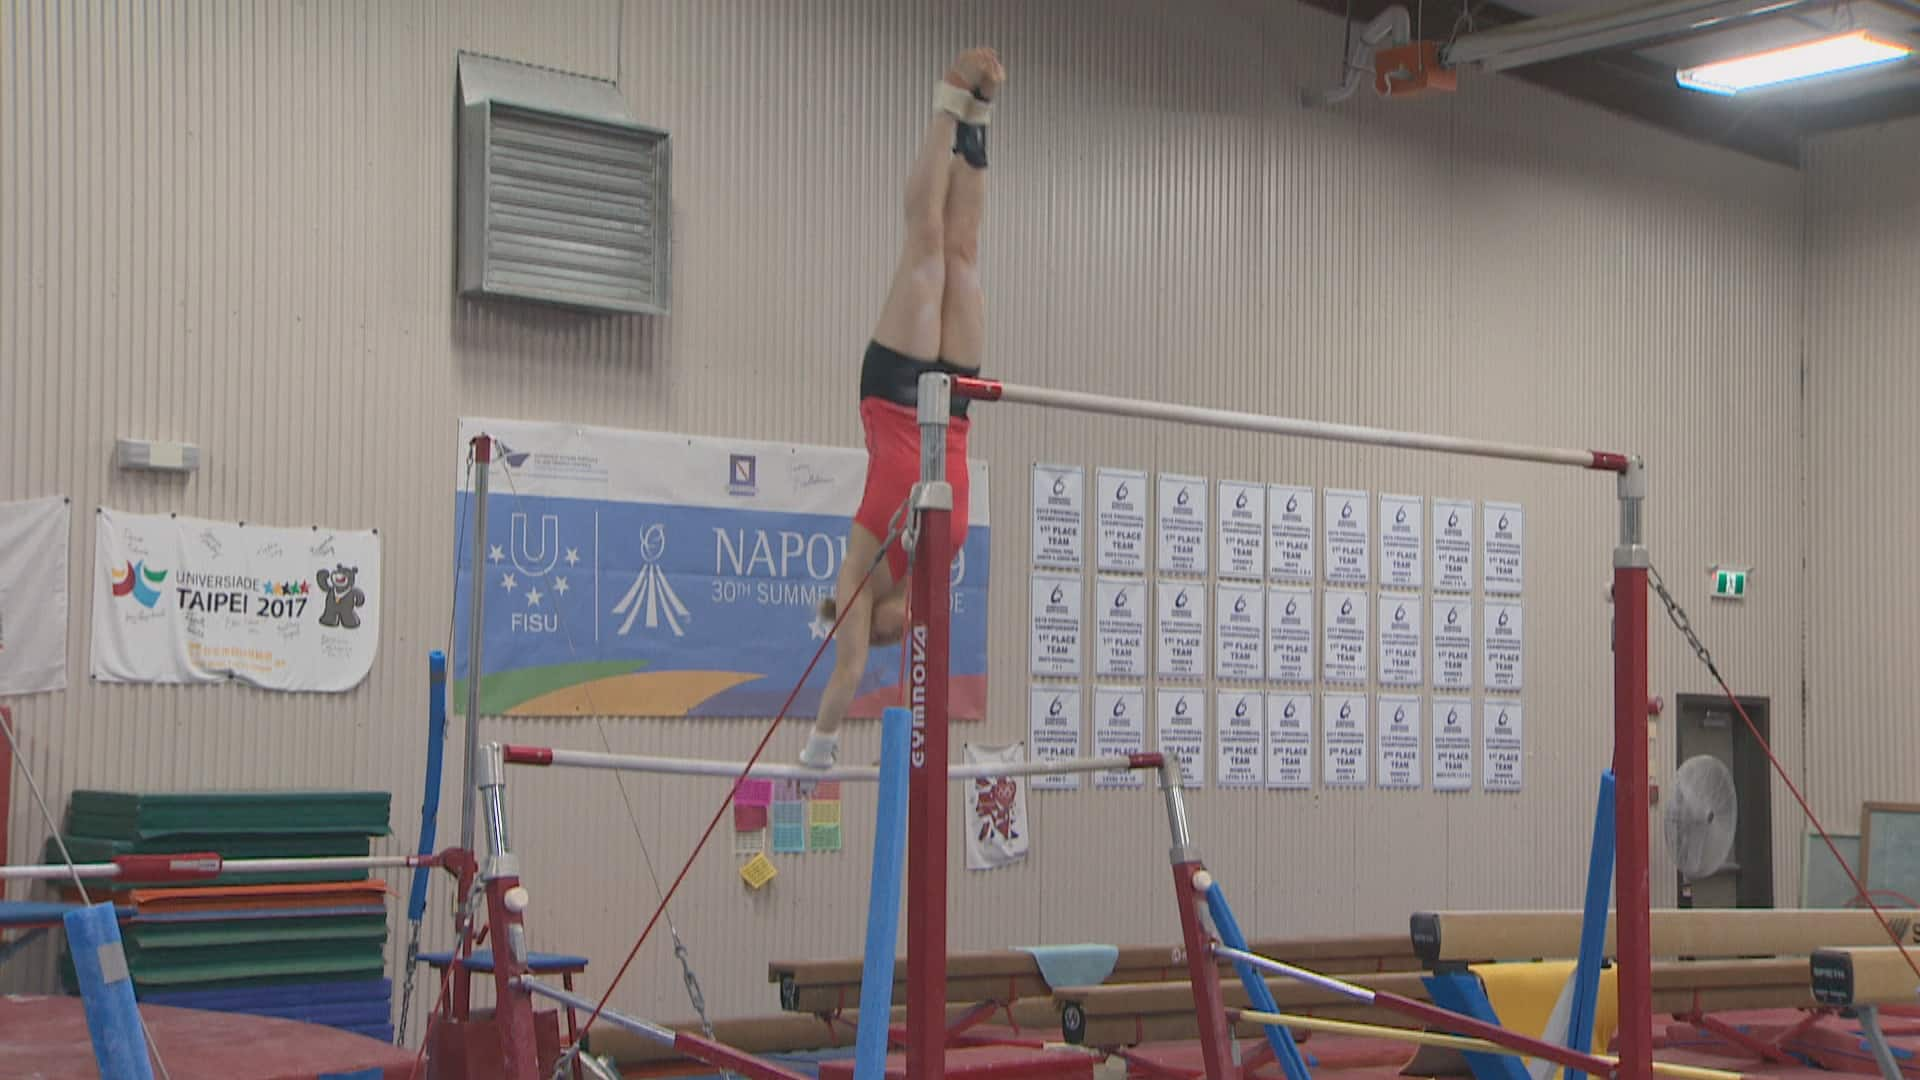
[(894, 376)]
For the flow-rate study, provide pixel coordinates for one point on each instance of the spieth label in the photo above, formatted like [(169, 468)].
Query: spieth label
[(1502, 544), (1500, 736), (1056, 625), (1452, 643), (1119, 729), (1399, 741), (1453, 545), (1290, 533), (1290, 741), (1344, 650), (1183, 524), (1183, 733), (1122, 521), (1059, 514), (1290, 635), (1400, 652), (1183, 630), (1238, 634), (1348, 537), (1402, 551), (1345, 763), (1452, 744), (1120, 627), (1242, 514), (1239, 736), (1054, 721), (1503, 640)]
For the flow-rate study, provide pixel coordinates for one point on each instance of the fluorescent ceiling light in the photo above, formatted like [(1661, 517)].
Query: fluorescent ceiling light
[(1827, 56)]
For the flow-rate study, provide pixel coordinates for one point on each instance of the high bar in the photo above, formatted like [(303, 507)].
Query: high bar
[(201, 866), (731, 770), (1079, 401)]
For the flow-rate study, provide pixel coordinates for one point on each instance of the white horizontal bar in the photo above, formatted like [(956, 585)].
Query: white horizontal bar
[(58, 872), (1312, 978), (1077, 401), (731, 770), (664, 1036)]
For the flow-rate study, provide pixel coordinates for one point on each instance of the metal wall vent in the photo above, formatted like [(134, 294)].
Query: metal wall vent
[(563, 198)]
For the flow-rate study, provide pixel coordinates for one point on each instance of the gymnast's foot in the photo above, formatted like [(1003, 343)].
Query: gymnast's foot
[(820, 750)]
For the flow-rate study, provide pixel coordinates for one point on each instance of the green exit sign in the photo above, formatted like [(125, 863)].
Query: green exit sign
[(1729, 583)]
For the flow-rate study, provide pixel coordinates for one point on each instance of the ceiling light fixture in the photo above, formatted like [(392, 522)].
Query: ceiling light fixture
[(1807, 60)]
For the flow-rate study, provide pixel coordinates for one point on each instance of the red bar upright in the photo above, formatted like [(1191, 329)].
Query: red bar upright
[(927, 800), (1632, 896), (1209, 1005)]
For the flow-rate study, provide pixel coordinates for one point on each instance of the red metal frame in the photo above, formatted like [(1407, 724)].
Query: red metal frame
[(1633, 897), (927, 799), (726, 1057), (513, 1006), (1209, 1005), (6, 780), (1769, 1049)]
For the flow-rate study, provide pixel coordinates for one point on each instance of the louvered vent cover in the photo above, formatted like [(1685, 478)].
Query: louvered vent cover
[(563, 199)]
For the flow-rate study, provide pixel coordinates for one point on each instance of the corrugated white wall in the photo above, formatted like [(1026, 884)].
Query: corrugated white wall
[(1863, 376), (232, 225)]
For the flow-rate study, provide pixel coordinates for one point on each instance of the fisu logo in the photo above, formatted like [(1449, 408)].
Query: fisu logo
[(652, 594)]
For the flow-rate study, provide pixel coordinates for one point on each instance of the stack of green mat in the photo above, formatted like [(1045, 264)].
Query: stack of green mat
[(227, 948)]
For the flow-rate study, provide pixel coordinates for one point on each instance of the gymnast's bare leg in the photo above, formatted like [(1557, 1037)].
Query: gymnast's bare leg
[(934, 311)]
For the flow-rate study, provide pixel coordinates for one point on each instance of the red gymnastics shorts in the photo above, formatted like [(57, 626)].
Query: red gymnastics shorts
[(893, 467)]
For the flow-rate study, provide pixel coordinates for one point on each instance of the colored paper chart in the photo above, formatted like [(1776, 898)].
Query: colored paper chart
[(757, 871)]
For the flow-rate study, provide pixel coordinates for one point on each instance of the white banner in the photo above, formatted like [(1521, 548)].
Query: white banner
[(1400, 652), (1453, 643), (1402, 544), (1054, 720), (1349, 537), (1345, 739), (33, 595), (1453, 545), (1183, 630), (1059, 495), (1183, 733), (1502, 743), (1503, 547), (1290, 635), (1239, 628), (1290, 533), (1240, 737), (1343, 652), (1182, 514), (1054, 643), (1505, 656), (185, 600), (1242, 527), (1121, 520), (1290, 740), (1399, 741), (1119, 728), (1452, 744), (996, 810), (1120, 628)]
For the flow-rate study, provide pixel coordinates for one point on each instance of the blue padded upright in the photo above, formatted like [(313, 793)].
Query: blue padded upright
[(1461, 992)]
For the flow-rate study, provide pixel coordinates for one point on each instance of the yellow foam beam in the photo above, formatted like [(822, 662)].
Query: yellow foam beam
[(1468, 936), (1457, 1042)]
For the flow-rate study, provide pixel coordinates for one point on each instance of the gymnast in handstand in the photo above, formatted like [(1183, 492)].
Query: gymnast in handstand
[(934, 319)]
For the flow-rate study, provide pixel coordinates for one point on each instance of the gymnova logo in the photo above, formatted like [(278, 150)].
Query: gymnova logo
[(652, 594), (139, 582)]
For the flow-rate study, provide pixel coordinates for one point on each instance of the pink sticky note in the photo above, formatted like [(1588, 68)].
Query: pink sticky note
[(754, 793), (749, 818)]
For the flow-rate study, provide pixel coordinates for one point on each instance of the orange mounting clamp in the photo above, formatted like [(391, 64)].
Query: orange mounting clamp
[(1411, 70)]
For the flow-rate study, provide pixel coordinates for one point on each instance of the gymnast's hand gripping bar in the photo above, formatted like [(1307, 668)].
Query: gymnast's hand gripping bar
[(1078, 401), (731, 770)]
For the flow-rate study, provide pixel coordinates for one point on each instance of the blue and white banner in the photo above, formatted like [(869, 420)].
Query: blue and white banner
[(633, 573)]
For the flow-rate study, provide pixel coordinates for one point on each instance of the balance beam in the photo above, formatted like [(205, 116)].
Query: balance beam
[(1862, 975), (1123, 1015), (1455, 937), (1010, 975)]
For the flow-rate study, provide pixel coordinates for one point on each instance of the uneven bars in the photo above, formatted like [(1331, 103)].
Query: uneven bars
[(1078, 401), (199, 866), (731, 770)]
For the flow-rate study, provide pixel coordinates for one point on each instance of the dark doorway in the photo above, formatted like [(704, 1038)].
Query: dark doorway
[(1708, 724)]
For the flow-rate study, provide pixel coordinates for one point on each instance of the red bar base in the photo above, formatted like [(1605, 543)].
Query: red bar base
[(999, 1062), (471, 1049)]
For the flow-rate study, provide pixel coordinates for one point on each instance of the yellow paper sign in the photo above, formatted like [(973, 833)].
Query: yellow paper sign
[(822, 812), (757, 871)]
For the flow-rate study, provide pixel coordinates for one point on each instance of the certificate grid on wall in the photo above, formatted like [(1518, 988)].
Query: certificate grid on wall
[(1183, 732), (1239, 718), (1119, 729), (1054, 723), (1059, 515), (1120, 523), (1290, 740), (1181, 511), (1503, 746), (1055, 639), (1343, 719), (1120, 628)]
